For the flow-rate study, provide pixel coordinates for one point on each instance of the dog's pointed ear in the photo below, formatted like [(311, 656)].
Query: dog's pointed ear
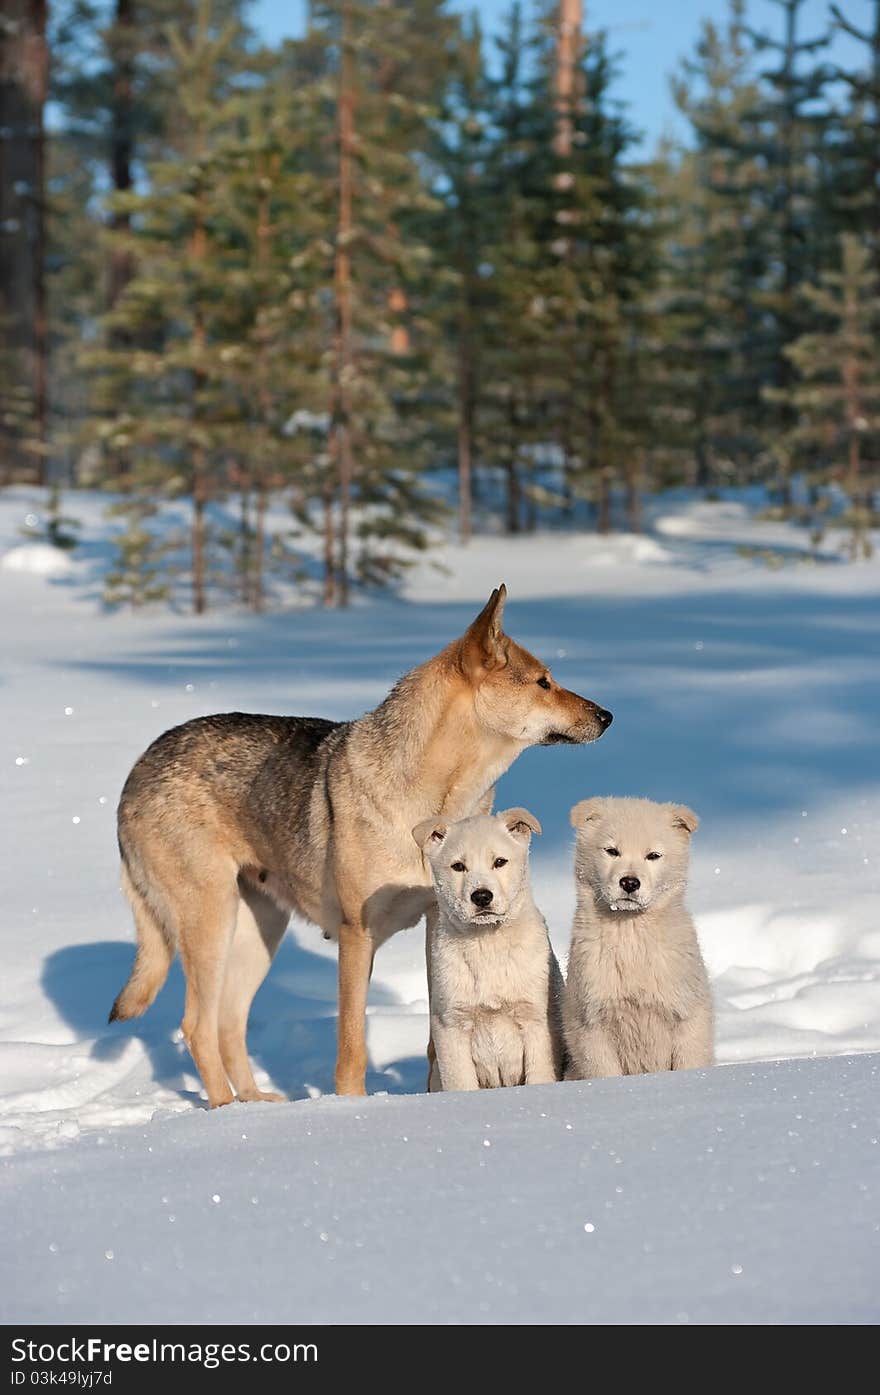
[(685, 818), (430, 833), (584, 811), (483, 641), (519, 823)]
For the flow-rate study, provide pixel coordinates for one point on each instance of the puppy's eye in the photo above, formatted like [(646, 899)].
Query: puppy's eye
[(500, 862), (613, 852), (653, 857), (458, 867), (544, 683)]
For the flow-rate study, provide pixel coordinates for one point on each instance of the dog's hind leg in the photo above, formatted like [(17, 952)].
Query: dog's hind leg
[(207, 923), (259, 930), (356, 950), (433, 1081)]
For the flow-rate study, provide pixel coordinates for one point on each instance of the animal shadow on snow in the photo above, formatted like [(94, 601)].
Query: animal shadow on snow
[(292, 1032)]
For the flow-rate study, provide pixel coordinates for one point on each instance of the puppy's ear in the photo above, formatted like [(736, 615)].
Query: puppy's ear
[(584, 811), (430, 833), (519, 823), (683, 817), (483, 644)]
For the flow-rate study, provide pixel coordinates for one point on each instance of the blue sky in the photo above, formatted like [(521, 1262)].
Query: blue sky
[(651, 36)]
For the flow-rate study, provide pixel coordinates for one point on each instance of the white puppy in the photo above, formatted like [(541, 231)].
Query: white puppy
[(637, 997), (495, 985)]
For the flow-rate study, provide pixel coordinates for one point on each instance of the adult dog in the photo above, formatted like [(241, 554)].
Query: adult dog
[(227, 824)]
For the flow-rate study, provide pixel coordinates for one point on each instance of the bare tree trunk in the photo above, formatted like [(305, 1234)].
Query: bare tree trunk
[(198, 530), (264, 232), (244, 535), (397, 305), (122, 46), (258, 595), (633, 499), (329, 546), (465, 429), (197, 248), (344, 357), (23, 320), (603, 501), (568, 45)]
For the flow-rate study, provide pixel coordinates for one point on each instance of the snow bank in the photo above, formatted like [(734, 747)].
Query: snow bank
[(746, 1194), (36, 559)]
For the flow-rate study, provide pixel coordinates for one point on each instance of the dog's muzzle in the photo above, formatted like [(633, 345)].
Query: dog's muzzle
[(582, 732)]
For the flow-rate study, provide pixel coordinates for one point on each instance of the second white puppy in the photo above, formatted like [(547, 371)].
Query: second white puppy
[(495, 985), (637, 997)]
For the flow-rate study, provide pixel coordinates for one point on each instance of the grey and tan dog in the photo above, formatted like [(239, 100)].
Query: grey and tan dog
[(496, 989), (227, 824), (637, 996)]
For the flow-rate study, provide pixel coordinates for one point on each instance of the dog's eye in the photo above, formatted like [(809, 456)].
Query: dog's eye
[(500, 862), (544, 683), (458, 867), (613, 852), (653, 857)]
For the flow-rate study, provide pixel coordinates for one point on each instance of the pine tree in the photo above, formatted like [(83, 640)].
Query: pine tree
[(788, 145), (173, 384), (23, 94), (717, 257), (136, 579), (459, 230), (853, 194), (835, 400), (381, 400)]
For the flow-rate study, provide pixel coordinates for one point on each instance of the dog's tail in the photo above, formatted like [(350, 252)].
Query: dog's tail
[(155, 952)]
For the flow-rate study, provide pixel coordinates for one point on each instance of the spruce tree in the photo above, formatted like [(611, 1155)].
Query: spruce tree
[(835, 400), (383, 345), (171, 387)]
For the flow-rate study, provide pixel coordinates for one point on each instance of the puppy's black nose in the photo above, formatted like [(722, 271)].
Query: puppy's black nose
[(630, 884), (482, 896), (605, 717)]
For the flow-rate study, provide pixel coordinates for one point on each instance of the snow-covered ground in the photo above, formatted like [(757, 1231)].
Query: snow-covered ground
[(748, 693)]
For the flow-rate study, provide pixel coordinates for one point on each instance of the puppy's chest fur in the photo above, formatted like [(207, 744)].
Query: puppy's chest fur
[(634, 963), (477, 973)]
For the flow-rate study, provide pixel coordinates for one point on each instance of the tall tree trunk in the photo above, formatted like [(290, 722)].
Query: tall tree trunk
[(261, 484), (24, 66), (245, 549), (465, 428), (603, 500), (343, 355), (200, 494), (397, 305), (122, 49), (514, 523), (329, 531), (568, 53), (197, 248), (633, 496)]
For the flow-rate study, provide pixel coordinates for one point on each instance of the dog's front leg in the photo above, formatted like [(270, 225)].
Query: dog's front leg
[(591, 1055), (454, 1059), (693, 1041), (356, 951), (540, 1067)]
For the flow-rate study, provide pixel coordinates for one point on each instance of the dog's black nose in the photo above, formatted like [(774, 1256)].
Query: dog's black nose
[(605, 717), (482, 896), (630, 884)]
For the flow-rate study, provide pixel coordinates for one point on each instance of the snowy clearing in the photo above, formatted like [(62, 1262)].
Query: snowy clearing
[(744, 1194), (748, 693)]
